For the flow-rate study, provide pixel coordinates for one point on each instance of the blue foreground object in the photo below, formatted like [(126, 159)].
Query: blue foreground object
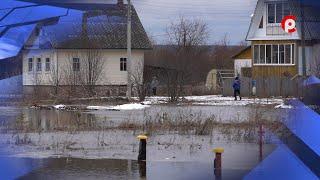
[(281, 164), (298, 156), (305, 124)]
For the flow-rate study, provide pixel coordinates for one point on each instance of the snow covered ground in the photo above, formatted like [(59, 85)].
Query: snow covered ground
[(210, 100), (217, 100)]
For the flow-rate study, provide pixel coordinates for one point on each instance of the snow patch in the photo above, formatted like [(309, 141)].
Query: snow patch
[(218, 100), (60, 106), (283, 106), (133, 106)]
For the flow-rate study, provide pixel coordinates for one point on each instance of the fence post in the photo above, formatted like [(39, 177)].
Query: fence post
[(142, 148)]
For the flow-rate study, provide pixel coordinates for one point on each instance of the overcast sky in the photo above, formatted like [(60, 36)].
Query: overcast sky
[(222, 16)]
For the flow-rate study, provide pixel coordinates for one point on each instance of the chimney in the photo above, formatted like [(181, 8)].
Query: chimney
[(120, 3)]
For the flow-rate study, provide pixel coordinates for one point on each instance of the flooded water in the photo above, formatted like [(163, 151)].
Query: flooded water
[(56, 120), (73, 168), (75, 145)]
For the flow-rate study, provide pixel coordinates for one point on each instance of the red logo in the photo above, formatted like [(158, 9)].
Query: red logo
[(288, 24)]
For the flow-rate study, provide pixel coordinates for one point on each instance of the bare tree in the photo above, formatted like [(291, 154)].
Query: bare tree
[(37, 83), (186, 36), (139, 85), (188, 33), (91, 68), (55, 78), (86, 71), (70, 75)]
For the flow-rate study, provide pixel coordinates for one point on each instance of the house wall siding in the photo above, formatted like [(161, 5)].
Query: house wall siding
[(111, 74)]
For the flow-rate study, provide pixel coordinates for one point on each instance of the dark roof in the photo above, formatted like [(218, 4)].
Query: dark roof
[(94, 27), (310, 18), (66, 26)]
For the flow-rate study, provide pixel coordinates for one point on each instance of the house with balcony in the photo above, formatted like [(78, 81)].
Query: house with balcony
[(277, 53)]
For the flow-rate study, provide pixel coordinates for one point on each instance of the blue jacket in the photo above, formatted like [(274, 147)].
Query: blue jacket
[(236, 85)]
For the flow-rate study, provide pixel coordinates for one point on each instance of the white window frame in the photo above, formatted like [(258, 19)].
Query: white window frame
[(275, 11), (39, 68), (30, 63), (292, 54), (76, 63), (123, 64), (47, 64)]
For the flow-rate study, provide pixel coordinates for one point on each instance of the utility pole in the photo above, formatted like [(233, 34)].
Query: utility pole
[(303, 41), (129, 83)]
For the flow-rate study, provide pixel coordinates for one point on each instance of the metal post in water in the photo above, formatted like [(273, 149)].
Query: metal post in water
[(142, 169), (261, 132), (142, 148), (217, 163)]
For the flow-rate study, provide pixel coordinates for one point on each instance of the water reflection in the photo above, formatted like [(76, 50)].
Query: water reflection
[(45, 120), (52, 120), (69, 168)]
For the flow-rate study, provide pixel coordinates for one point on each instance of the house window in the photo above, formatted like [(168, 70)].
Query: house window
[(48, 64), (262, 54), (292, 54), (261, 23), (281, 54), (39, 65), (276, 12), (123, 64), (76, 64), (271, 13), (276, 54), (30, 64), (268, 54)]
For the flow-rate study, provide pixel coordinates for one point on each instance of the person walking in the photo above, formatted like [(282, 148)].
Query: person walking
[(236, 88), (154, 84)]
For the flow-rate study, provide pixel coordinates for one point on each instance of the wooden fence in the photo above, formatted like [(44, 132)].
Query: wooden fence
[(266, 87)]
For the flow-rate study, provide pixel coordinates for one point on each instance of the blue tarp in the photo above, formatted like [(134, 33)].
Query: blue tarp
[(32, 14), (305, 124), (312, 80), (18, 21), (13, 40), (281, 164), (8, 4)]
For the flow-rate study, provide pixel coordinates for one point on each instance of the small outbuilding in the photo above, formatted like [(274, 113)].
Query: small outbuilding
[(243, 62)]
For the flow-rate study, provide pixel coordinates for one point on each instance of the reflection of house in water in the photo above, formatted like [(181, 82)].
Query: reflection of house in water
[(51, 120), (73, 168)]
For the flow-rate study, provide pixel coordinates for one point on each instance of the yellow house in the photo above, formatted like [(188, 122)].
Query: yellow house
[(276, 53)]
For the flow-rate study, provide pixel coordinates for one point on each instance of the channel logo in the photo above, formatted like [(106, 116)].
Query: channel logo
[(288, 24)]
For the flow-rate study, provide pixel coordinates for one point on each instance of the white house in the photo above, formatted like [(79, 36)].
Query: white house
[(277, 53), (87, 45)]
